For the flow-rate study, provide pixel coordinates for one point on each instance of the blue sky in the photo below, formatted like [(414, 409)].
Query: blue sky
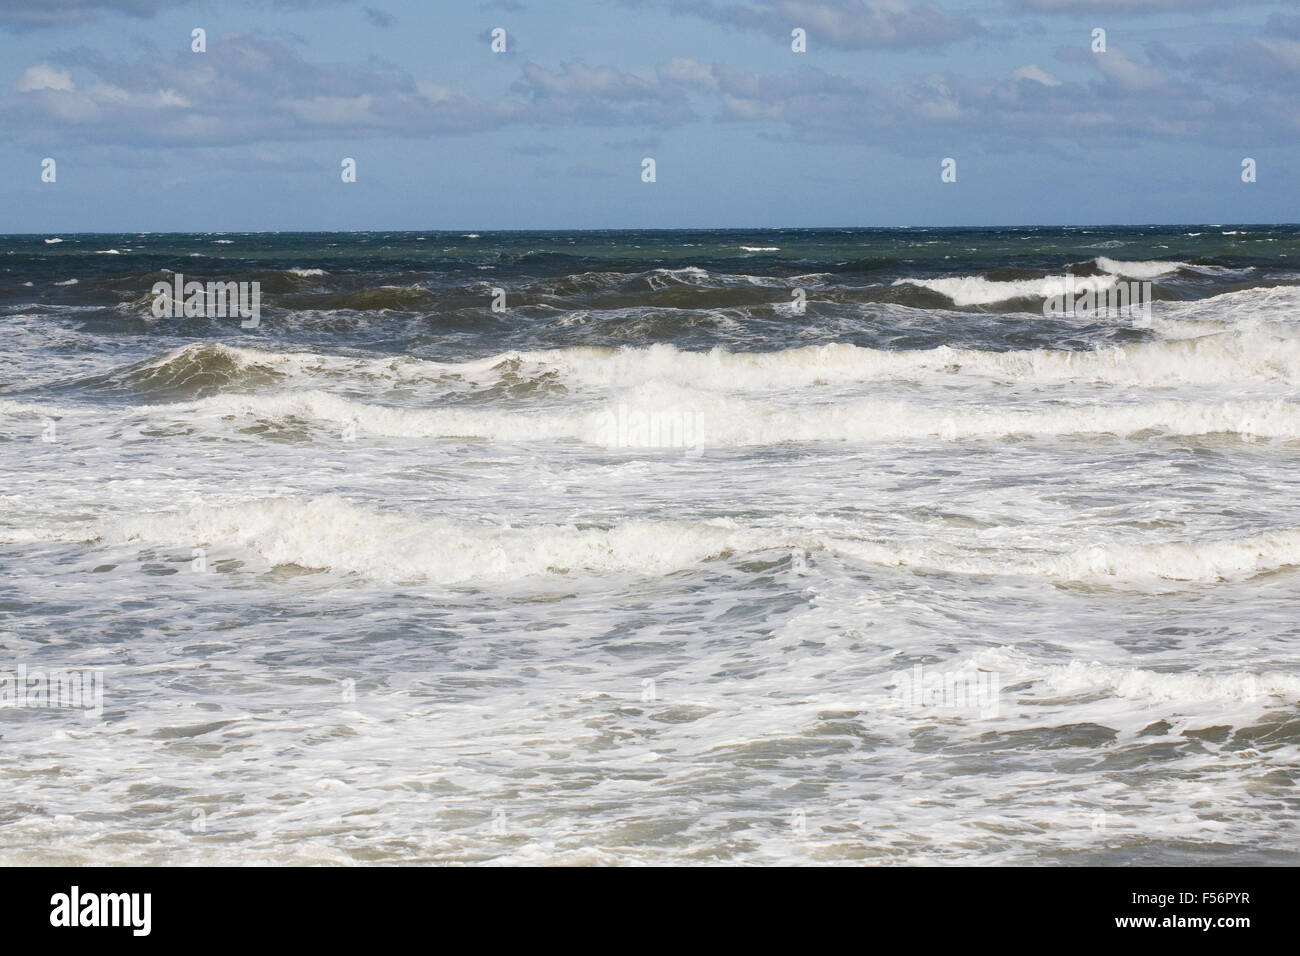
[(745, 132)]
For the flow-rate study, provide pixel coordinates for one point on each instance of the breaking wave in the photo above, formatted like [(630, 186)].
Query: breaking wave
[(332, 533), (657, 416), (978, 290)]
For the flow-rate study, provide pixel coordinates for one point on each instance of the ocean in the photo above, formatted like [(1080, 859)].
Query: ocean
[(807, 546)]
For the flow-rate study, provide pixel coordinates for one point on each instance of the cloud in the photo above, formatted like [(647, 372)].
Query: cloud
[(858, 24), (600, 95), (1127, 102), (1279, 25), (20, 15), (379, 18), (258, 90), (1115, 6), (686, 72), (42, 76), (1127, 74), (1032, 72), (261, 91), (535, 149), (255, 90), (841, 24), (1262, 64), (44, 89), (582, 171), (1163, 56), (349, 111), (32, 14), (578, 79)]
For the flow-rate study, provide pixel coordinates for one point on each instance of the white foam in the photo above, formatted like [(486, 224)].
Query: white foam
[(692, 275), (24, 409), (1252, 353), (1134, 683), (1206, 561), (1149, 269), (329, 532), (1194, 561), (1276, 307), (977, 290), (697, 419)]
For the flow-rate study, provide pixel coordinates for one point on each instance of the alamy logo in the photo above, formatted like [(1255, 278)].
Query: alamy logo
[(77, 690), (633, 428), (103, 909), (1093, 298), (969, 690), (216, 300)]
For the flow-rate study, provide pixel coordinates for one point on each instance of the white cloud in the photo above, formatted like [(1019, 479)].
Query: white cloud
[(687, 72), (434, 92), (1031, 72), (1111, 6), (1134, 77), (334, 110), (45, 77), (110, 94), (1286, 53)]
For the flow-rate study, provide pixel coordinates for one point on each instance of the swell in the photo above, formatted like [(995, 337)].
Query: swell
[(687, 288), (187, 373)]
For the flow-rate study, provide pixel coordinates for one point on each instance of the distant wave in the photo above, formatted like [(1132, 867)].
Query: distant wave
[(978, 290), (1139, 270), (403, 298), (1099, 274)]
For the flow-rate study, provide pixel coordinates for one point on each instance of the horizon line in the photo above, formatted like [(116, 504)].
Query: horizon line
[(593, 229)]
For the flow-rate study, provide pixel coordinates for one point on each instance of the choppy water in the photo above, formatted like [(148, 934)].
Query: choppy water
[(640, 568)]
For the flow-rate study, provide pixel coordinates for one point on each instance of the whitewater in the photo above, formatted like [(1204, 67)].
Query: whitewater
[(647, 568)]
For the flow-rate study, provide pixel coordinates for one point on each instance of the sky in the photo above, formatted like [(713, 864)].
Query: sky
[(149, 135)]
